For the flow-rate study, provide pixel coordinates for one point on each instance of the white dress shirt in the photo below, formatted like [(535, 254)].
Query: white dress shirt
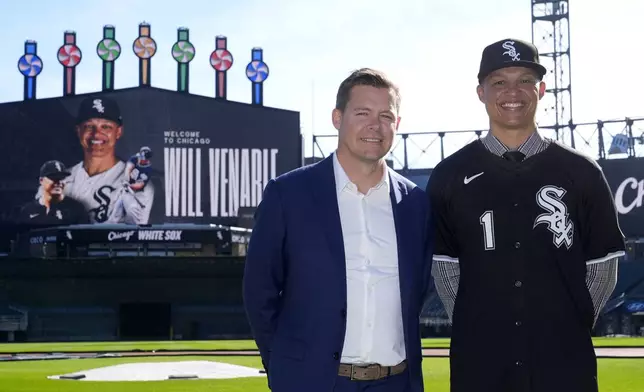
[(374, 332)]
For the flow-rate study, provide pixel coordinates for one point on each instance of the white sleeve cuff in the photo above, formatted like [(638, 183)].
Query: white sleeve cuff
[(609, 256), (445, 258)]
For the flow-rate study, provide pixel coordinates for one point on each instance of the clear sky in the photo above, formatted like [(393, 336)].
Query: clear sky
[(430, 48)]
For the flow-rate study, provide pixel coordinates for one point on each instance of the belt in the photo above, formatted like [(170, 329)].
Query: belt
[(370, 372)]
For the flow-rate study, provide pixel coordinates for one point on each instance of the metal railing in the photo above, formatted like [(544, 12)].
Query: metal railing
[(13, 323), (602, 139)]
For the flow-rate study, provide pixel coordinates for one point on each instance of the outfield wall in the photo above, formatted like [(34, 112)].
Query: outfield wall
[(126, 299)]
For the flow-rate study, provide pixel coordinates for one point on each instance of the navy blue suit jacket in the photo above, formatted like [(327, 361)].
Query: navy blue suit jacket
[(295, 277)]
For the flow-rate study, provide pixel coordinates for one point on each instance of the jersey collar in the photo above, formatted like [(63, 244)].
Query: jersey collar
[(532, 146)]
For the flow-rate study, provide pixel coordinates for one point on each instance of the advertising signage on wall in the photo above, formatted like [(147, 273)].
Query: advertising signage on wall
[(140, 156), (626, 180), (119, 234)]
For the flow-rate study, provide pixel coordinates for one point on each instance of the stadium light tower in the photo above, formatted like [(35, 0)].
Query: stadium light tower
[(551, 35)]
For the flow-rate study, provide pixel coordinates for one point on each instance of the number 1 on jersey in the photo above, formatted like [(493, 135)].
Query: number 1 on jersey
[(487, 221)]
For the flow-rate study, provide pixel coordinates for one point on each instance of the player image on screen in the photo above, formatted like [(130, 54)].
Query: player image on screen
[(52, 208), (133, 199), (97, 181)]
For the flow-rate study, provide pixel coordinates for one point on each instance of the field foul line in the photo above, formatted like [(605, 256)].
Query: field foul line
[(630, 353)]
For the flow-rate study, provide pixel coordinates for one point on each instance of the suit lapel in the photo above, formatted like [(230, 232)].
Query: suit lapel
[(326, 200), (397, 193)]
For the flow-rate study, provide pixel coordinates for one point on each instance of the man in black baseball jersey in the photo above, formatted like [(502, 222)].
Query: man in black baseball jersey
[(52, 208), (526, 242)]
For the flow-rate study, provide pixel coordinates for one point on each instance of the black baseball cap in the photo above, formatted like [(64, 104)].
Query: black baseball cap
[(510, 53), (99, 107), (55, 170)]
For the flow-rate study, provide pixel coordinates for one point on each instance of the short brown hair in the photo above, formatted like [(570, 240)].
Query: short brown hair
[(365, 77)]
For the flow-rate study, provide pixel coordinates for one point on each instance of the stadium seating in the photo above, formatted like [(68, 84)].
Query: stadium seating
[(13, 321), (73, 324), (629, 274)]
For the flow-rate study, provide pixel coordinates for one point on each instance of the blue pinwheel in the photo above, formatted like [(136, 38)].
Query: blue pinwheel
[(257, 71), (30, 65)]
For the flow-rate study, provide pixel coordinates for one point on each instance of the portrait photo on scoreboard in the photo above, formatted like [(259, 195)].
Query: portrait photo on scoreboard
[(109, 178), (141, 156)]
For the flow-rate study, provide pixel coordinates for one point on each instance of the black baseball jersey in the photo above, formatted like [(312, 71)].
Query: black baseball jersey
[(67, 212), (522, 234)]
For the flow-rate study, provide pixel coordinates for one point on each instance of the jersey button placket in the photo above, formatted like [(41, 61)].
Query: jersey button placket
[(518, 272), (518, 284)]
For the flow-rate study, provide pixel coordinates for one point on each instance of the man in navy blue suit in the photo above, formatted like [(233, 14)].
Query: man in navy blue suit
[(337, 266)]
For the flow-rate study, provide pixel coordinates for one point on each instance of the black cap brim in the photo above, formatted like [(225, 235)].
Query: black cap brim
[(540, 69), (81, 120), (58, 175)]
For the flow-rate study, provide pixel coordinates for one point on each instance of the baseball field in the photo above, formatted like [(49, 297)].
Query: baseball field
[(28, 375)]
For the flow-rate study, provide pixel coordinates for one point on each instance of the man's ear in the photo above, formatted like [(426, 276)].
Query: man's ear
[(480, 92), (336, 118), (542, 89), (398, 122)]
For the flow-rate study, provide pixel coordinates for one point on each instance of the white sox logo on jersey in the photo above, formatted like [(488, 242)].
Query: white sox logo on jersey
[(98, 105), (549, 198), (511, 50), (102, 197)]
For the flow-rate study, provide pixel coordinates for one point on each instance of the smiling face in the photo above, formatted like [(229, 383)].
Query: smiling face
[(511, 96), (367, 126), (98, 137), (53, 186)]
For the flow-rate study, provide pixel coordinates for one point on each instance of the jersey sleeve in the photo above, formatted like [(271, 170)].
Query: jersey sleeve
[(600, 233), (445, 245), (143, 178)]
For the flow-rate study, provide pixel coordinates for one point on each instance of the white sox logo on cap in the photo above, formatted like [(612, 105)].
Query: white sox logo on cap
[(98, 105), (511, 50)]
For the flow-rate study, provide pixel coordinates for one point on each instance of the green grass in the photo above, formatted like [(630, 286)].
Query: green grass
[(32, 377), (224, 345), (129, 346), (598, 342), (613, 342), (615, 375)]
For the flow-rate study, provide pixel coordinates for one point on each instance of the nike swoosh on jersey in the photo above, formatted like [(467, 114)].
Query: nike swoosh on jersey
[(467, 179), (33, 215)]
